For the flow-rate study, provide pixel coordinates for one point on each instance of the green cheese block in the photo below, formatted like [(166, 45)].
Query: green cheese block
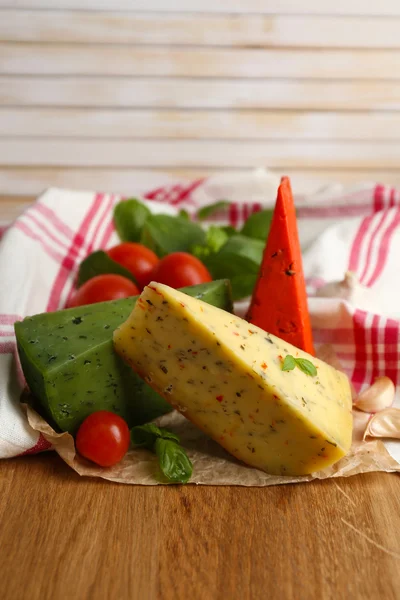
[(72, 370)]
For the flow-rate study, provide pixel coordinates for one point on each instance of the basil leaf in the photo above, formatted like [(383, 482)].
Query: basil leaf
[(184, 214), (99, 263), (211, 209), (229, 230), (215, 239), (258, 225), (302, 363), (306, 366), (129, 218), (243, 285), (145, 436), (165, 234), (289, 363), (239, 260), (174, 462)]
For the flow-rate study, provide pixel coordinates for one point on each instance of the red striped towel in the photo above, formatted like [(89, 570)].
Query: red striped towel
[(355, 230)]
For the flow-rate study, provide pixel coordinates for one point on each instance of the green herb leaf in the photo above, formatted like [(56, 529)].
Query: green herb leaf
[(99, 263), (306, 366), (145, 436), (302, 363), (165, 234), (239, 260), (215, 239), (174, 462), (258, 225), (129, 219), (289, 363), (229, 230), (211, 209), (184, 214)]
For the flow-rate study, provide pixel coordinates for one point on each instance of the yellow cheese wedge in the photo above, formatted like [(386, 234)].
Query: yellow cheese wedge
[(226, 376)]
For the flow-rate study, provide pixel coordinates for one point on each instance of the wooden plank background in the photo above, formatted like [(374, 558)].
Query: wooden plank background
[(102, 94)]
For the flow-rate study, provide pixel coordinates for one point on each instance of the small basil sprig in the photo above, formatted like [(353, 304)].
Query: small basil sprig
[(215, 239), (165, 234), (174, 462), (303, 364), (129, 219)]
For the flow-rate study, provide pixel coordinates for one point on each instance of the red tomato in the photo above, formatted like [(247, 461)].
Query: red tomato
[(179, 270), (103, 438), (102, 288), (138, 259)]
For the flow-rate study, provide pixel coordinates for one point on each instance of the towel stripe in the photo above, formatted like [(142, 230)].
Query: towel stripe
[(384, 248), (355, 252), (70, 258), (23, 228), (53, 219), (359, 371)]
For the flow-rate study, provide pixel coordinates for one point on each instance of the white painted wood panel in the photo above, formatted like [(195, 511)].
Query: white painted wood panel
[(100, 94), (199, 153), (322, 7), (80, 123), (251, 31), (199, 93), (110, 60)]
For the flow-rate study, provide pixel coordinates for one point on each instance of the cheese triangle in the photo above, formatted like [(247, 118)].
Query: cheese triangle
[(226, 376), (279, 301)]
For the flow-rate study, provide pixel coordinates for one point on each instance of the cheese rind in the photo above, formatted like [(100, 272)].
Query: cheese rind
[(226, 376)]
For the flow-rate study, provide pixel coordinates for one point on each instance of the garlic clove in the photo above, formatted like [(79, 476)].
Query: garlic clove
[(377, 397), (340, 289), (385, 424)]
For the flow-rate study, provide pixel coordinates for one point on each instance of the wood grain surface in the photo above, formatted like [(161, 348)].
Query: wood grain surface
[(67, 537)]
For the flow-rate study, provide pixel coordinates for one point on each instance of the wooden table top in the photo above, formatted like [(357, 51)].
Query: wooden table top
[(62, 536)]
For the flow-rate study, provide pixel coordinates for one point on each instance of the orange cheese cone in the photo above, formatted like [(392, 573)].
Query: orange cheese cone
[(279, 301)]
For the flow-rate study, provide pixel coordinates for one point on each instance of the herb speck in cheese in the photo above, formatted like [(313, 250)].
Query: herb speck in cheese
[(331, 443)]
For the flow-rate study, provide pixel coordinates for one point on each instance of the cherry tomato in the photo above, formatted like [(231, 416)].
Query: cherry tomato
[(179, 270), (102, 288), (103, 438), (138, 259)]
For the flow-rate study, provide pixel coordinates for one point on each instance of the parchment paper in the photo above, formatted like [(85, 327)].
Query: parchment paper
[(212, 465)]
